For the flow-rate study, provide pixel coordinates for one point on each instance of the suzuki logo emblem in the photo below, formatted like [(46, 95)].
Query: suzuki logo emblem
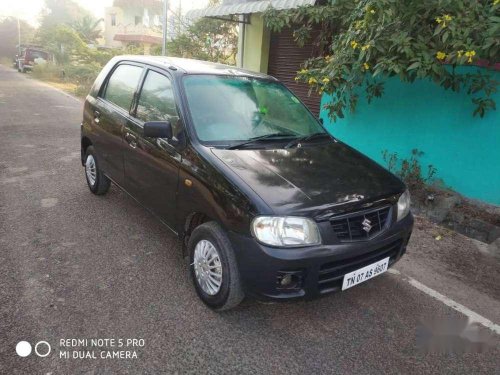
[(367, 225)]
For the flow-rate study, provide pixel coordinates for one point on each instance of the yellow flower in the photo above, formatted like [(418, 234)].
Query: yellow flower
[(354, 44), (372, 11), (470, 55), (496, 2), (312, 81), (325, 80), (460, 53), (365, 47), (303, 71), (296, 79), (440, 55), (444, 19), (358, 25), (328, 58), (366, 66)]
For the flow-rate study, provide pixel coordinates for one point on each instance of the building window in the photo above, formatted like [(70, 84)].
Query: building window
[(113, 20), (138, 20)]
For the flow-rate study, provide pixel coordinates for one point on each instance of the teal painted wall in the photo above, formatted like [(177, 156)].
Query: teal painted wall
[(464, 149)]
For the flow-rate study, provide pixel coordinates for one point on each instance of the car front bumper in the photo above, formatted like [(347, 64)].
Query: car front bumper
[(315, 270)]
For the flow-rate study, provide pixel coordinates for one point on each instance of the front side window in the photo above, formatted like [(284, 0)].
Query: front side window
[(157, 102), (227, 108), (122, 85)]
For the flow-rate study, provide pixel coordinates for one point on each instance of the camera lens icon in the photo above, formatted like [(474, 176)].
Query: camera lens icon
[(42, 349), (23, 348)]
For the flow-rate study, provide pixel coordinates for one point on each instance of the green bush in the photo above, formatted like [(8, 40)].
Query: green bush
[(83, 76), (48, 72), (410, 171), (363, 43)]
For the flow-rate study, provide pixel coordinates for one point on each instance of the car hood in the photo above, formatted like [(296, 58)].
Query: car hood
[(312, 179)]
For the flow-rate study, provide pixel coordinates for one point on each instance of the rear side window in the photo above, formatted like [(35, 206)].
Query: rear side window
[(122, 85), (38, 55), (157, 102)]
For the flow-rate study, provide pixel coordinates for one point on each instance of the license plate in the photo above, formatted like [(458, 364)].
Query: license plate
[(357, 277)]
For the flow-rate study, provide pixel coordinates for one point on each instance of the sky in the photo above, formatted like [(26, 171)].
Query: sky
[(29, 10)]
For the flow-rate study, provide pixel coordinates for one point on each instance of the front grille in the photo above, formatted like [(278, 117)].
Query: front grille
[(361, 225), (331, 274)]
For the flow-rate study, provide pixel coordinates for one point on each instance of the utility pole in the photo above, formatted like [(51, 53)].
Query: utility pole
[(164, 44), (179, 15), (18, 37)]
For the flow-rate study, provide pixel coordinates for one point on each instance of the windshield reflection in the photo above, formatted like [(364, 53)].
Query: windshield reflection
[(227, 109)]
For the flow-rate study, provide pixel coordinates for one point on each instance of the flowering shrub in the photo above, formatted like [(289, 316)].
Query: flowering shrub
[(365, 41)]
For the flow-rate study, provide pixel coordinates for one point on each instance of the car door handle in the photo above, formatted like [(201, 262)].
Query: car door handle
[(97, 115), (168, 148), (131, 139)]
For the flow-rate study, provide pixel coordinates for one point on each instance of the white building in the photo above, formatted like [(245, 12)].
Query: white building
[(130, 22)]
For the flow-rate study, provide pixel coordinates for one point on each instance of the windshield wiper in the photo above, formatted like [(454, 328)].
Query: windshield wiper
[(260, 138), (305, 138)]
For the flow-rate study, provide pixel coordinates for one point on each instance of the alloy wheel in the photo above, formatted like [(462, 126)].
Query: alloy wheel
[(91, 170), (207, 267)]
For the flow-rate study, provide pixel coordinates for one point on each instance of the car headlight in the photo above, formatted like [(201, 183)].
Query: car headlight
[(403, 205), (286, 231)]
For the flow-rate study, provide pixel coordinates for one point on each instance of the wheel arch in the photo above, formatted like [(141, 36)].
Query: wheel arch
[(191, 222), (86, 142)]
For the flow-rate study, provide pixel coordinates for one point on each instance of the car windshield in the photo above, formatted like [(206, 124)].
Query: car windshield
[(227, 110)]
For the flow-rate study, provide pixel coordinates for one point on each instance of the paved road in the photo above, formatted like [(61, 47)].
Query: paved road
[(73, 265)]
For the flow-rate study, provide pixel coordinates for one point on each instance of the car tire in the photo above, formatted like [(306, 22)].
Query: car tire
[(230, 292), (97, 181)]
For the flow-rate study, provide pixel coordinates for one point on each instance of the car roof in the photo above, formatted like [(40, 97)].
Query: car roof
[(35, 49), (191, 66)]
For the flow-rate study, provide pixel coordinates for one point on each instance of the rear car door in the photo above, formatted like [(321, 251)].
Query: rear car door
[(152, 164), (110, 113)]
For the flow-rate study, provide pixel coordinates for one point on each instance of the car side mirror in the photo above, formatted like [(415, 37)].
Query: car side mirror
[(158, 129), (321, 121)]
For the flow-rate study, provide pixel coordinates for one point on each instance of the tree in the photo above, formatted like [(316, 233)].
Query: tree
[(58, 12), (9, 38), (66, 29), (65, 44), (87, 28), (366, 41), (207, 39)]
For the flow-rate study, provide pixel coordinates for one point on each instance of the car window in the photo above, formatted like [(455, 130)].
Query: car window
[(228, 108), (122, 85), (156, 101), (38, 55)]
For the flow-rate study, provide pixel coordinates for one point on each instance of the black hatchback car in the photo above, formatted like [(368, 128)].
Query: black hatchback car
[(266, 202)]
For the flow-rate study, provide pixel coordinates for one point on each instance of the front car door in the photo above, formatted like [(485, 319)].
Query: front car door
[(152, 165), (110, 114)]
